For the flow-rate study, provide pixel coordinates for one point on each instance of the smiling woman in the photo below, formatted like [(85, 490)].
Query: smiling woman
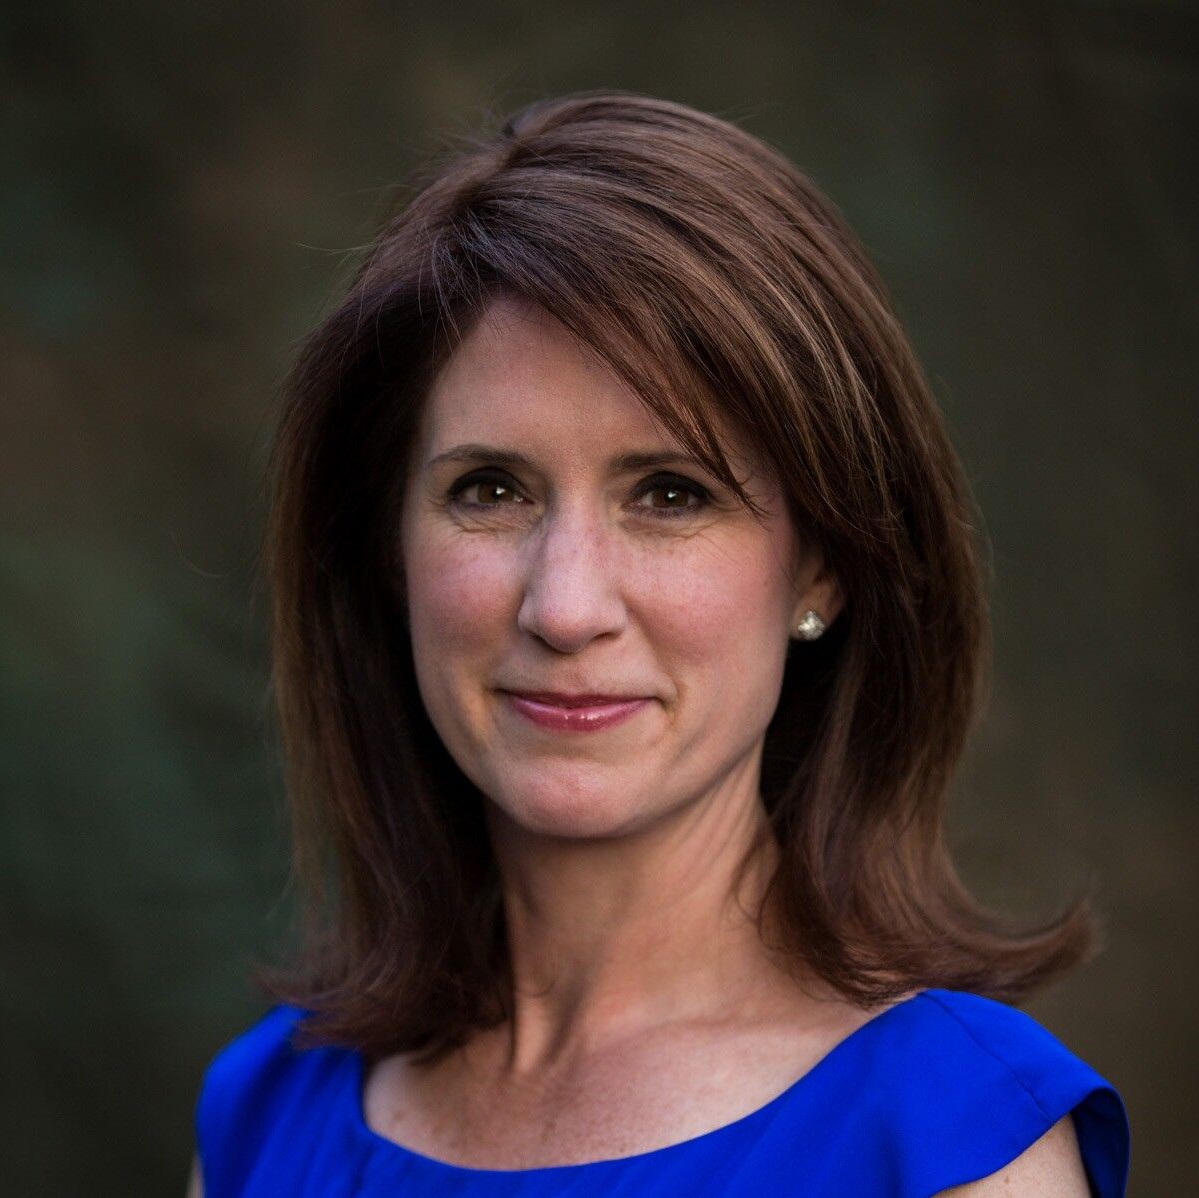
[(628, 626), (578, 587)]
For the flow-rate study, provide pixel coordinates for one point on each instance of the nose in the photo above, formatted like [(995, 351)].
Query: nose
[(572, 587)]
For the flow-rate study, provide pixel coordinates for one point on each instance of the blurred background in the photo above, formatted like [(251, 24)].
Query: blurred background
[(180, 186)]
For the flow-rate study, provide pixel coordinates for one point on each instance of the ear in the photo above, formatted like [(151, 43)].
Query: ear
[(817, 589)]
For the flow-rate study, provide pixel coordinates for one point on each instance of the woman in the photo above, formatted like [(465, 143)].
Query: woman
[(628, 625)]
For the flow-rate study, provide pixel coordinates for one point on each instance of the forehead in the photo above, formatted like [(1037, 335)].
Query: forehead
[(520, 371), (521, 377)]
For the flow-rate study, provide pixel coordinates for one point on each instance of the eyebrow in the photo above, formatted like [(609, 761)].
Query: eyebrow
[(500, 456)]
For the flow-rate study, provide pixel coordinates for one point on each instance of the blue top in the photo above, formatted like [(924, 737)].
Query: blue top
[(940, 1089)]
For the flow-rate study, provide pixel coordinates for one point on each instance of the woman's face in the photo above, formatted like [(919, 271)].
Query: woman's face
[(537, 561)]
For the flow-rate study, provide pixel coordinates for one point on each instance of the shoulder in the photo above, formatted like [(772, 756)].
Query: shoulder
[(258, 1086), (245, 1068), (1052, 1166), (266, 1038), (995, 1036), (242, 1071), (967, 1086)]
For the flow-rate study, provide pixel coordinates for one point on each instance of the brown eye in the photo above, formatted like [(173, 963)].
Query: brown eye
[(680, 496), (492, 490)]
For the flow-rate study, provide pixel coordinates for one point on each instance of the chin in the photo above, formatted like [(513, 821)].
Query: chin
[(565, 804)]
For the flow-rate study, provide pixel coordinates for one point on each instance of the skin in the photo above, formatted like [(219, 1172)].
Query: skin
[(648, 1009), (570, 581)]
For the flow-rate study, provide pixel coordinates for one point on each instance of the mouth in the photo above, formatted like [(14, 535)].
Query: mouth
[(561, 699), (574, 713)]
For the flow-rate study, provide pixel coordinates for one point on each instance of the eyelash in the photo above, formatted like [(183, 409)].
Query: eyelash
[(655, 482)]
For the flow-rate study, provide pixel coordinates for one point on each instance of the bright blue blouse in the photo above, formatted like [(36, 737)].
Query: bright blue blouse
[(940, 1089)]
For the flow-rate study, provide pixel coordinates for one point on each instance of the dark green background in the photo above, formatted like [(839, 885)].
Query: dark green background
[(181, 186)]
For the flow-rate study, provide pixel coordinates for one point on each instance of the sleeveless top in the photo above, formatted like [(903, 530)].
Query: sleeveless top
[(942, 1088)]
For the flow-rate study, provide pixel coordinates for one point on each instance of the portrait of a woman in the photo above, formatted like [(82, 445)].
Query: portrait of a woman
[(629, 621)]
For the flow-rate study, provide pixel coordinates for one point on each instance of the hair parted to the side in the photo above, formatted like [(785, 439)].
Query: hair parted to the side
[(712, 276)]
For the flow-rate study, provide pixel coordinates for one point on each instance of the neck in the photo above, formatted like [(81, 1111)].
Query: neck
[(610, 937)]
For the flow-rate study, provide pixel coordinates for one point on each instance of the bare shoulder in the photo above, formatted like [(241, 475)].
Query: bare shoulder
[(1052, 1167), (195, 1185)]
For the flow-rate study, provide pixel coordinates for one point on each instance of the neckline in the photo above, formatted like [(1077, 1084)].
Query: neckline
[(385, 1146)]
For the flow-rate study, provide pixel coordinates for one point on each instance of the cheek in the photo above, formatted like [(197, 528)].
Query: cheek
[(715, 611), (459, 613), (458, 594)]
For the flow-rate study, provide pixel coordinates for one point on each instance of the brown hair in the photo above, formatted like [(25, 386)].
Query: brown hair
[(708, 272)]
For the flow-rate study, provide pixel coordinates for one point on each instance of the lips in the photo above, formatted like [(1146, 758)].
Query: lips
[(574, 713), (558, 699)]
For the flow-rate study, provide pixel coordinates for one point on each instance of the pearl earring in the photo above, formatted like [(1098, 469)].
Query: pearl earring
[(810, 627)]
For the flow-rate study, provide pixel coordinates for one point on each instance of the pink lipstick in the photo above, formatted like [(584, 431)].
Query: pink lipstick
[(584, 713)]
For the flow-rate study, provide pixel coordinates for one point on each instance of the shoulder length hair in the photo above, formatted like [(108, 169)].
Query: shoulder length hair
[(710, 274)]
